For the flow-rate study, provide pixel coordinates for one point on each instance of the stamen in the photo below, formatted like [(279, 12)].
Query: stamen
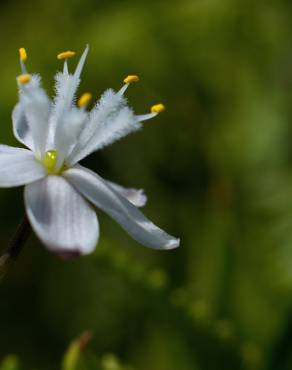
[(155, 109), (127, 81), (66, 54), (24, 79), (50, 160), (22, 54), (158, 108), (84, 100), (131, 78)]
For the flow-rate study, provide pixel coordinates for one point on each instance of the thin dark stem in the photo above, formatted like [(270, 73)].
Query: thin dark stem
[(15, 246)]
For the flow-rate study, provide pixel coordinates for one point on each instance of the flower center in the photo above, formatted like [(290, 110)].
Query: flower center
[(50, 160)]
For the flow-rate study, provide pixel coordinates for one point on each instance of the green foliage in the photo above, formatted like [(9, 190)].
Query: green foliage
[(216, 167), (10, 363)]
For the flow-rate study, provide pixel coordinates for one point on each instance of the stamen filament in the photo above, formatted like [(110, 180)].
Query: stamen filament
[(65, 68), (145, 117), (123, 89)]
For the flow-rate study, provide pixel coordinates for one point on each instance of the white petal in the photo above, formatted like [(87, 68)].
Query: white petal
[(95, 189), (36, 106), (136, 196), (110, 120), (7, 149), (67, 134), (66, 86), (21, 128), (18, 167), (64, 221)]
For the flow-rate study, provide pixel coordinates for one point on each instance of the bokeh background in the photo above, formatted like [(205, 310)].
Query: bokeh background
[(217, 167)]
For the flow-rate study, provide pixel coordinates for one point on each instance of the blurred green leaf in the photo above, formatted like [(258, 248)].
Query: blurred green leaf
[(10, 362), (72, 357)]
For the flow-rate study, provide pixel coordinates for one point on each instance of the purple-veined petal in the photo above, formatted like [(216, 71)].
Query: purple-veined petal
[(63, 220), (96, 190), (19, 167)]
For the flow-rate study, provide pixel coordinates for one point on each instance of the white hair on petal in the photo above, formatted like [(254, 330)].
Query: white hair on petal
[(120, 125), (107, 107), (65, 89), (109, 121)]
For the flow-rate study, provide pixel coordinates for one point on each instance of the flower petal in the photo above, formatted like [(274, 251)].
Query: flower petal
[(95, 189), (64, 221), (36, 106), (66, 86), (68, 132), (18, 167), (21, 128), (136, 196), (110, 120)]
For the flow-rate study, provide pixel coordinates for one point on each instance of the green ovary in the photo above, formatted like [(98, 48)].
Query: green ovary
[(50, 160)]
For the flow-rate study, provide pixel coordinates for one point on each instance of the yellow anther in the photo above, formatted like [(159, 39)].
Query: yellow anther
[(22, 54), (66, 54), (24, 79), (84, 100), (158, 108), (130, 79), (50, 160)]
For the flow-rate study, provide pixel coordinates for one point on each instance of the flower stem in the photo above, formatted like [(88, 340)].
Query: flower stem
[(15, 246)]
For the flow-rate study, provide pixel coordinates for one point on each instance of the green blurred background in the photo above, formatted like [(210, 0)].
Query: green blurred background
[(217, 167)]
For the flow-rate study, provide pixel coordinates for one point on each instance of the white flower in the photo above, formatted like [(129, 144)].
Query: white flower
[(60, 194)]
